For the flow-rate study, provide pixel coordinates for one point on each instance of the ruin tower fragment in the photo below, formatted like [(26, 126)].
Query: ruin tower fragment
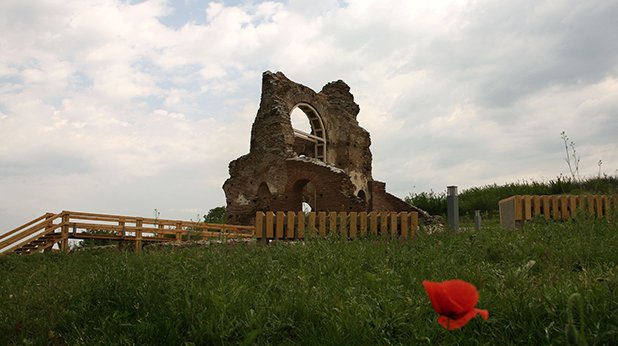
[(327, 168)]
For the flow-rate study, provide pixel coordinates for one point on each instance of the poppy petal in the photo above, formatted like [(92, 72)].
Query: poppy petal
[(440, 300), (451, 324), (463, 293), (484, 313)]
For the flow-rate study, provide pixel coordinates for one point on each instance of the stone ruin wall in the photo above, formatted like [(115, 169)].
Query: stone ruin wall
[(284, 169)]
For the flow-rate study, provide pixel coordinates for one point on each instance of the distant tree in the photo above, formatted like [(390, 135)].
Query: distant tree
[(216, 215)]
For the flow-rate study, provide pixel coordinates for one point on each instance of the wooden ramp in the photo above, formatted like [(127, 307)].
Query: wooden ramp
[(50, 229)]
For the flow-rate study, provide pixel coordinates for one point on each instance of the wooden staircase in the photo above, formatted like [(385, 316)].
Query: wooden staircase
[(45, 242)]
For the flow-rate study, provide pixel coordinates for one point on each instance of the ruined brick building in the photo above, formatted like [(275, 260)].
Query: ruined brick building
[(328, 168)]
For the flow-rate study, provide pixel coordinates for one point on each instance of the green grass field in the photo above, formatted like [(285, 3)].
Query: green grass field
[(321, 291)]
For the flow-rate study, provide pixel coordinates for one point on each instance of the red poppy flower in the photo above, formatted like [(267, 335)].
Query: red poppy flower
[(455, 301)]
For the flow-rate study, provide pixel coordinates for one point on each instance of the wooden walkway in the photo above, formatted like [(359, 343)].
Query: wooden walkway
[(53, 231)]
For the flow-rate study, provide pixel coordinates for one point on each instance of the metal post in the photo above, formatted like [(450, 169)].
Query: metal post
[(452, 208), (477, 220)]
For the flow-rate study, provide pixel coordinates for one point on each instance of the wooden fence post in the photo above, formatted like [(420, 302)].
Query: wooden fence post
[(259, 225), (564, 207), (527, 208), (332, 222), (300, 231), (353, 228), (290, 225), (270, 217), (64, 243), (311, 223), (373, 222), (536, 205), (394, 224), (363, 223), (414, 226), (384, 223), (178, 232), (546, 207), (572, 206), (404, 217), (138, 235), (279, 225), (343, 224), (322, 223)]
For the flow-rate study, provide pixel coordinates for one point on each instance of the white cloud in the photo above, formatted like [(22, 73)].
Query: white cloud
[(104, 100)]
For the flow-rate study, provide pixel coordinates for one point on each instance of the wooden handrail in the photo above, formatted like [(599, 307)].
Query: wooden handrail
[(27, 224), (152, 221), (29, 232)]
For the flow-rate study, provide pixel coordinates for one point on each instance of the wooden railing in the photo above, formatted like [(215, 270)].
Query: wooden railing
[(516, 210), (56, 229), (296, 225)]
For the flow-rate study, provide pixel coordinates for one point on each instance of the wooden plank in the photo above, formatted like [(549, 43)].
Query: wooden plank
[(546, 207), (394, 225), (270, 225), (259, 224), (353, 224), (343, 224), (599, 206), (536, 206), (590, 202), (414, 226), (363, 223), (64, 230), (373, 222), (161, 229), (300, 234), (332, 222), (405, 228), (179, 231), (572, 206), (311, 222), (290, 226), (322, 222), (384, 223), (555, 211), (279, 224), (564, 207), (519, 216), (527, 207), (605, 202), (138, 236)]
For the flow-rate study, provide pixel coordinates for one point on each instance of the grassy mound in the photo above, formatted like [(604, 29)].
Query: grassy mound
[(322, 291)]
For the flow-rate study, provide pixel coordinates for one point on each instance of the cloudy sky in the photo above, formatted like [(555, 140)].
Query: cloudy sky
[(130, 106)]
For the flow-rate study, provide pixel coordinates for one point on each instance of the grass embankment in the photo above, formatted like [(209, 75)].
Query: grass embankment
[(318, 292)]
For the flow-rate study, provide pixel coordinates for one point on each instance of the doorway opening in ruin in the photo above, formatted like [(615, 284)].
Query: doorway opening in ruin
[(309, 133), (304, 196)]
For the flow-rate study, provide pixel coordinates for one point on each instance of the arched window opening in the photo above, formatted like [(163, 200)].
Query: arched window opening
[(361, 195), (300, 121), (309, 133), (307, 208)]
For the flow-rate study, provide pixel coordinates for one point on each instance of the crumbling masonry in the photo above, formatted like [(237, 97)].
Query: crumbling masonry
[(328, 168)]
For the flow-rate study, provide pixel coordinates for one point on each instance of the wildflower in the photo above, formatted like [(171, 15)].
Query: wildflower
[(454, 301)]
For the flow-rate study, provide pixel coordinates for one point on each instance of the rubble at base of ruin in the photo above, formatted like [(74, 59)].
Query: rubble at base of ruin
[(327, 167)]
